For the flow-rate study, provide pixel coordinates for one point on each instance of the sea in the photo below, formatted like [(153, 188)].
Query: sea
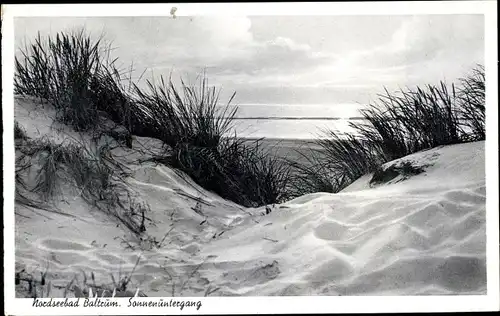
[(292, 121), (290, 130)]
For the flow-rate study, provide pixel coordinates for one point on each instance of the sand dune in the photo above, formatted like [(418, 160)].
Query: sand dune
[(419, 236)]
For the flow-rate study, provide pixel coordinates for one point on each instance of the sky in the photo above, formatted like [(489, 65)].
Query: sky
[(336, 62)]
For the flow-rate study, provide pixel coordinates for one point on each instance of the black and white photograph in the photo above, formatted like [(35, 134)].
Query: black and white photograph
[(191, 156)]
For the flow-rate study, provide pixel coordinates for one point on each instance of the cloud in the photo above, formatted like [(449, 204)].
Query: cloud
[(224, 44), (281, 56), (424, 42), (289, 59)]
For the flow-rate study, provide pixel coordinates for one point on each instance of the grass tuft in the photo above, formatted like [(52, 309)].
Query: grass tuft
[(74, 73), (90, 170), (348, 157), (19, 132), (471, 101), (399, 124), (413, 120), (193, 125), (187, 115), (310, 175), (405, 170)]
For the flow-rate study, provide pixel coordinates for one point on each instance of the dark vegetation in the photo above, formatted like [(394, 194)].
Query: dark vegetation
[(28, 285), (193, 127), (397, 125), (19, 132), (471, 103), (44, 167), (405, 170), (312, 174), (73, 73)]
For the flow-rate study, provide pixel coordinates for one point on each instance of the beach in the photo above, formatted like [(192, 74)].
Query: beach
[(287, 148)]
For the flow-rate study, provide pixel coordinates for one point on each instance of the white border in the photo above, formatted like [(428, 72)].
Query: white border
[(247, 9), (492, 207), (249, 305)]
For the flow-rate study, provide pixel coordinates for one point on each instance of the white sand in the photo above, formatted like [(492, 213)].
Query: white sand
[(423, 235)]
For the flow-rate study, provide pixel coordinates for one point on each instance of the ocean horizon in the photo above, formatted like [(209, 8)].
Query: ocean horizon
[(289, 128), (293, 121)]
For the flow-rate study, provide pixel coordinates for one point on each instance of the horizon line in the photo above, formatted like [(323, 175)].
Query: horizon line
[(295, 118)]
